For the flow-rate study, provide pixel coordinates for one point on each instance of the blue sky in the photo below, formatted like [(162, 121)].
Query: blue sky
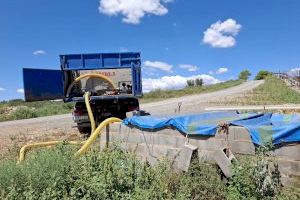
[(243, 34)]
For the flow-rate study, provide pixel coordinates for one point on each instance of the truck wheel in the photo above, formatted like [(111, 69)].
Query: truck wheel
[(84, 130)]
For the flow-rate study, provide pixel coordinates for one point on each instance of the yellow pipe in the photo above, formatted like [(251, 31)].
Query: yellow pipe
[(93, 136), (25, 148), (86, 145), (100, 76), (90, 113)]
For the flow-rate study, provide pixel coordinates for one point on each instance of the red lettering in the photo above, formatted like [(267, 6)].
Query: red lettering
[(107, 73)]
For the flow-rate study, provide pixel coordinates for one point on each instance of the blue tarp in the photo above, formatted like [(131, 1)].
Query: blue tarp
[(279, 128)]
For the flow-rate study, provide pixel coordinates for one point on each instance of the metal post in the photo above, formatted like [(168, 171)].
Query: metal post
[(107, 136)]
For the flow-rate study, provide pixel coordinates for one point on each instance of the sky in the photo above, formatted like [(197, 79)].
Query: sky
[(178, 39)]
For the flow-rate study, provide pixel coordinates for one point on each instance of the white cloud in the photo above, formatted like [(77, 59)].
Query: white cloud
[(294, 72), (133, 10), (20, 90), (39, 52), (190, 68), (158, 65), (2, 89), (174, 82), (222, 70), (221, 34)]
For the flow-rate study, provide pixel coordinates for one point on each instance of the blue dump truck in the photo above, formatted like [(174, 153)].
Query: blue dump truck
[(113, 81)]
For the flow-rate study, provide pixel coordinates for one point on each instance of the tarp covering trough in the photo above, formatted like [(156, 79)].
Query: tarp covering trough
[(280, 128)]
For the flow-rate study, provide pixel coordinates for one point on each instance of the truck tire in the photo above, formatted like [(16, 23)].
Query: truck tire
[(84, 129)]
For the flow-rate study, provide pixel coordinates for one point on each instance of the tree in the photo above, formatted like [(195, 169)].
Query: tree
[(244, 75), (198, 82), (190, 83), (262, 74)]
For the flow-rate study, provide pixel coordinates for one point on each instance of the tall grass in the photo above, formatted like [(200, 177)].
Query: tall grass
[(165, 94)]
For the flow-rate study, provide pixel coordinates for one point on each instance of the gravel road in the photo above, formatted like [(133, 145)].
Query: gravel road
[(62, 124)]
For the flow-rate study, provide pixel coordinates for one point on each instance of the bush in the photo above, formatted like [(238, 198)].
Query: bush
[(244, 75), (258, 178), (262, 75)]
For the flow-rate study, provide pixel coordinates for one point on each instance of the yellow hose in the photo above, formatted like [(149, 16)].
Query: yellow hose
[(86, 144), (25, 148), (93, 136), (95, 131), (100, 76), (90, 113)]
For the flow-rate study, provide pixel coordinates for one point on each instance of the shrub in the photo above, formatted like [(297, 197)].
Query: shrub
[(262, 75), (244, 75), (257, 178), (202, 181)]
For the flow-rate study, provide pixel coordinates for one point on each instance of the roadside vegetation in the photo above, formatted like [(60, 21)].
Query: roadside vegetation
[(262, 74), (276, 91), (114, 174), (192, 88), (272, 91), (18, 109)]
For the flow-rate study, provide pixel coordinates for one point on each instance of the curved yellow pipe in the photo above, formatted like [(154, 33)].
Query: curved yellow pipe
[(25, 148), (100, 76), (90, 113), (93, 136), (86, 144)]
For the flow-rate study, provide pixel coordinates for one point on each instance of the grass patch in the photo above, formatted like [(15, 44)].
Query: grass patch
[(276, 91), (272, 91), (114, 174), (19, 109), (158, 95)]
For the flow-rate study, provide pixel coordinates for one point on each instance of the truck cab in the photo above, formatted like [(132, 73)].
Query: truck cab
[(112, 96)]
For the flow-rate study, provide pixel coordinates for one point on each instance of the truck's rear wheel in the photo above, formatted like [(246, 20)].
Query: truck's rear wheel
[(84, 129)]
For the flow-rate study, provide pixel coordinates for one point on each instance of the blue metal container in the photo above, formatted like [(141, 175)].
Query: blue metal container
[(99, 61), (42, 84)]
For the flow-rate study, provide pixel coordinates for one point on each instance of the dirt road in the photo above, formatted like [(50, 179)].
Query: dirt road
[(62, 126)]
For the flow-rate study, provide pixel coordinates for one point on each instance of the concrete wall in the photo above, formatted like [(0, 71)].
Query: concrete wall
[(170, 143)]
